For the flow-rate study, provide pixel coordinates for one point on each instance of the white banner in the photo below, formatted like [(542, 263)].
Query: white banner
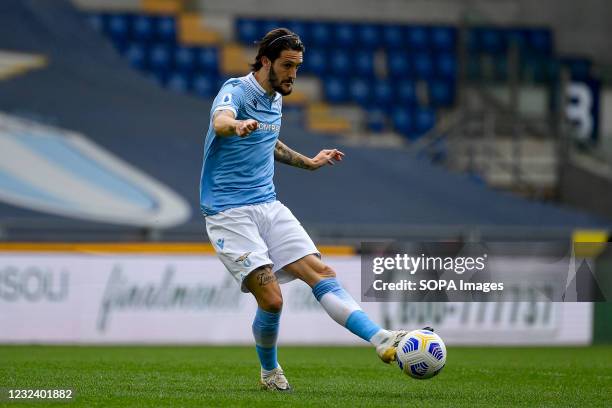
[(77, 298)]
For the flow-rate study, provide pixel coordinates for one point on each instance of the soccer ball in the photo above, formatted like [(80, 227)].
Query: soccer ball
[(421, 354)]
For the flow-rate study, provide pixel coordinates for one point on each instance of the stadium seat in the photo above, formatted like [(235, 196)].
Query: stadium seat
[(441, 93), (393, 37), (336, 90), (179, 82), (369, 36), (267, 26), (405, 92), (248, 30), (492, 40), (382, 93), (205, 85), (540, 41), (166, 30), (424, 120), (340, 62), (360, 91), (417, 38), (160, 58), (403, 122), (579, 68), (136, 55), (184, 59), (423, 65), (446, 65), (320, 35), (345, 36), (444, 38), (143, 27), (118, 27), (301, 29), (315, 62), (207, 59), (364, 63), (398, 64)]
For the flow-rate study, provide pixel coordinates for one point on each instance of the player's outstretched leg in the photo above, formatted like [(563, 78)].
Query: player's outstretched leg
[(263, 285), (341, 306)]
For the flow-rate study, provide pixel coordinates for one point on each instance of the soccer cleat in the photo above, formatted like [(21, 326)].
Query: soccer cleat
[(386, 350), (275, 381)]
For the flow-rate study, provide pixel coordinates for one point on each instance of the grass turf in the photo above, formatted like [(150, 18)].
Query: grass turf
[(321, 376)]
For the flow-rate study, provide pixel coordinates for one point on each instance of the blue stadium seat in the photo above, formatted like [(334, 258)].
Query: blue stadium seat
[(579, 68), (160, 58), (144, 27), (320, 35), (248, 30), (340, 62), (424, 120), (376, 120), (403, 121), (179, 82), (136, 55), (444, 38), (441, 93), (118, 27), (446, 65), (405, 92), (393, 37), (492, 40), (166, 29), (540, 41), (369, 36), (417, 38), (315, 61), (360, 91), (205, 85), (269, 25), (423, 65), (336, 90), (517, 37), (382, 93), (344, 35), (364, 63), (207, 59), (398, 64), (184, 59), (301, 29)]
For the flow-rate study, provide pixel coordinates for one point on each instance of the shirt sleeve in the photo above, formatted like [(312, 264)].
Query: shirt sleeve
[(229, 98)]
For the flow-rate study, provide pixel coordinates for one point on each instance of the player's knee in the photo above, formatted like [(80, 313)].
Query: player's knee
[(272, 303), (327, 272)]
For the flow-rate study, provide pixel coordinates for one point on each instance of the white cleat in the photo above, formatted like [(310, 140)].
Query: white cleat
[(275, 381), (386, 350)]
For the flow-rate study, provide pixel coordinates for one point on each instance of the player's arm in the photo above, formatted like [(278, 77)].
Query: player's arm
[(284, 154), (225, 124)]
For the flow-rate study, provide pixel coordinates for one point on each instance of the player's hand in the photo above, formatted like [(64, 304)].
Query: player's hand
[(245, 127), (327, 156)]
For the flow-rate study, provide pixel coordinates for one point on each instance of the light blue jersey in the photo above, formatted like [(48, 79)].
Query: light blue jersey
[(238, 171)]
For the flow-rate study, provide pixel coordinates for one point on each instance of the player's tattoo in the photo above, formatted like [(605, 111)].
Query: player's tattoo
[(284, 154), (265, 277)]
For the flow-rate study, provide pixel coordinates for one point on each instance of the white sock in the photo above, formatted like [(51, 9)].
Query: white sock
[(380, 337)]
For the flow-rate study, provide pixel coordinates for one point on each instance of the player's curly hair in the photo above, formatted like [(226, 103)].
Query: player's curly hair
[(273, 43)]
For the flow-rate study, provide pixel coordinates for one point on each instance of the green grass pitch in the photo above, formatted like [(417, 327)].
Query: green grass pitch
[(321, 377)]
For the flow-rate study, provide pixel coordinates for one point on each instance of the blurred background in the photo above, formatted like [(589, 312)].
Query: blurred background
[(461, 120)]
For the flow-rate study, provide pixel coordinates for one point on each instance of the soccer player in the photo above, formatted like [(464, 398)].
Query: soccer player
[(256, 237)]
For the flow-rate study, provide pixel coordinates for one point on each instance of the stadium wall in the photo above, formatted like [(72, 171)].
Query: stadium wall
[(84, 294)]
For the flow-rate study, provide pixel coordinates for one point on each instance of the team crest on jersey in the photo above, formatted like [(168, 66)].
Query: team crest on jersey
[(244, 259)]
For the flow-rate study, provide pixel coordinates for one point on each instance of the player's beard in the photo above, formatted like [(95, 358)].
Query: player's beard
[(276, 84)]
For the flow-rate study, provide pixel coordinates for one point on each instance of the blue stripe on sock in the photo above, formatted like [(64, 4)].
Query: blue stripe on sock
[(360, 324), (267, 357), (324, 286)]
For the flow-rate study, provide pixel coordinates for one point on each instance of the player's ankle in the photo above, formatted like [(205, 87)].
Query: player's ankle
[(380, 337)]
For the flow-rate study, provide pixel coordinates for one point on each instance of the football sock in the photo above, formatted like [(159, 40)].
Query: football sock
[(265, 331), (341, 307)]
